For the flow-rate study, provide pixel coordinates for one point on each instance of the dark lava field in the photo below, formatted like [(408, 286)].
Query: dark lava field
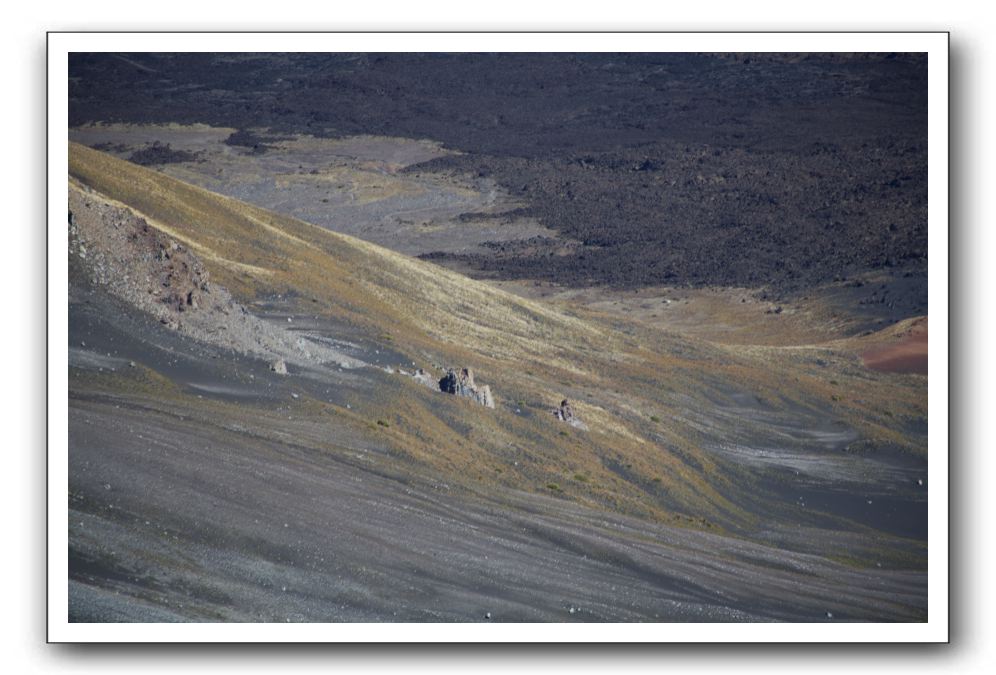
[(773, 171)]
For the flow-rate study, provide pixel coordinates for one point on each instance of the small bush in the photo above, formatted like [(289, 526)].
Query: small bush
[(382, 423), (553, 486), (581, 478), (655, 418)]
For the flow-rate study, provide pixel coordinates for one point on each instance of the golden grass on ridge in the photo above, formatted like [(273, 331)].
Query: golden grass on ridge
[(526, 350)]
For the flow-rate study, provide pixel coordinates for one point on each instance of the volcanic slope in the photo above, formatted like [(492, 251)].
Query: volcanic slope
[(745, 442)]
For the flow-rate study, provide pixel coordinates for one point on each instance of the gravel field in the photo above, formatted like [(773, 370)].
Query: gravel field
[(171, 523)]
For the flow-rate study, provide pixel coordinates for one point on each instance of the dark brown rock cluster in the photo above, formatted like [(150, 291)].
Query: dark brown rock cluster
[(565, 413), (181, 276)]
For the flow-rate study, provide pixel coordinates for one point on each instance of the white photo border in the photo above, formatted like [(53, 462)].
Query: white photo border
[(935, 44)]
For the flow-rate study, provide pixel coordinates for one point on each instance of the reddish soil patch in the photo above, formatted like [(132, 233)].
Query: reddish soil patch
[(907, 355)]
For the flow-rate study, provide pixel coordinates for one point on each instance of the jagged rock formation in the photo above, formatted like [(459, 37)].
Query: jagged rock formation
[(181, 276), (114, 248), (462, 384), (565, 413)]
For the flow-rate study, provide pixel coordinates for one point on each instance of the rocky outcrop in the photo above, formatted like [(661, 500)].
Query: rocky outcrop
[(456, 382), (136, 261), (182, 279), (116, 249), (461, 383), (565, 413)]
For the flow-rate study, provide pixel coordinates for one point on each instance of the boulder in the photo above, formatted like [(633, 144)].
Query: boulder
[(565, 413), (461, 383)]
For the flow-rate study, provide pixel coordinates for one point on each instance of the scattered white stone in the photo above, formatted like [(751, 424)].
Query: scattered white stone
[(294, 395)]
